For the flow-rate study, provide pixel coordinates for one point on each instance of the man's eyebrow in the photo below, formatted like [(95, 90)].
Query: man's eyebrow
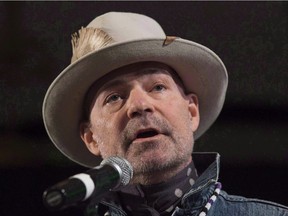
[(111, 84)]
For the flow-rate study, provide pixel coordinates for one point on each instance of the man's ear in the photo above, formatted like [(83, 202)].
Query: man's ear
[(194, 110), (87, 137)]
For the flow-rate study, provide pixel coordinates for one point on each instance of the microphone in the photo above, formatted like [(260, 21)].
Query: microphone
[(112, 174)]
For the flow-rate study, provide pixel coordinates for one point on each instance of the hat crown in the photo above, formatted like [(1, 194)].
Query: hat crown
[(111, 28), (124, 26)]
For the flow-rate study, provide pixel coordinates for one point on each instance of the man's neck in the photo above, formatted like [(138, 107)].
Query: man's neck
[(158, 198)]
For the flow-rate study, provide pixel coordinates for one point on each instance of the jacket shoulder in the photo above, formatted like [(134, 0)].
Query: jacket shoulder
[(237, 205)]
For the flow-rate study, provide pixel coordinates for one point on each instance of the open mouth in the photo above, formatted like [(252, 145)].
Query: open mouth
[(147, 133)]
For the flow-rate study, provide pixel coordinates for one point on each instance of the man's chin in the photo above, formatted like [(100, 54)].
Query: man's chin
[(152, 164), (154, 171)]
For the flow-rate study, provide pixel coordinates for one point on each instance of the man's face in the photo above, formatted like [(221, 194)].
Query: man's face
[(140, 113)]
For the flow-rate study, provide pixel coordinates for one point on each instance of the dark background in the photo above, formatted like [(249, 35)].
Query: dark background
[(250, 133)]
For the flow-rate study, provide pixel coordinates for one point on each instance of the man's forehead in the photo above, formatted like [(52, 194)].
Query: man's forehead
[(123, 75), (138, 69)]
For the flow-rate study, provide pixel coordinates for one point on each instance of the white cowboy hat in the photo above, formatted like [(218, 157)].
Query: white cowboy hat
[(127, 38)]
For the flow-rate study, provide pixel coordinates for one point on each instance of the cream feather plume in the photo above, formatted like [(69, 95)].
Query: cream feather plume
[(87, 40)]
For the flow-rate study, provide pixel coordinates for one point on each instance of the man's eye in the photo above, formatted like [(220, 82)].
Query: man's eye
[(159, 87), (112, 98)]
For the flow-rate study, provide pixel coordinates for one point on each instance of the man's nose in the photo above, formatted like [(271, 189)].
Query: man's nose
[(139, 103)]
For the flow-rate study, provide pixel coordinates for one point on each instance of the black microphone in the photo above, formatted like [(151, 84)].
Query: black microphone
[(112, 174)]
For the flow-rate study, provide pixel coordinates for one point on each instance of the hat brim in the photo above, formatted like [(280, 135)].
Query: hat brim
[(200, 69)]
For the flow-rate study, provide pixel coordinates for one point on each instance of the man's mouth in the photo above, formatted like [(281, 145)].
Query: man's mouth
[(147, 133)]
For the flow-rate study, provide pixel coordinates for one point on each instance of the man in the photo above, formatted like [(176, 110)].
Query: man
[(136, 93)]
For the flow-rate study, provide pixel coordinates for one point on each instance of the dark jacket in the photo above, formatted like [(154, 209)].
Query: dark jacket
[(193, 202)]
